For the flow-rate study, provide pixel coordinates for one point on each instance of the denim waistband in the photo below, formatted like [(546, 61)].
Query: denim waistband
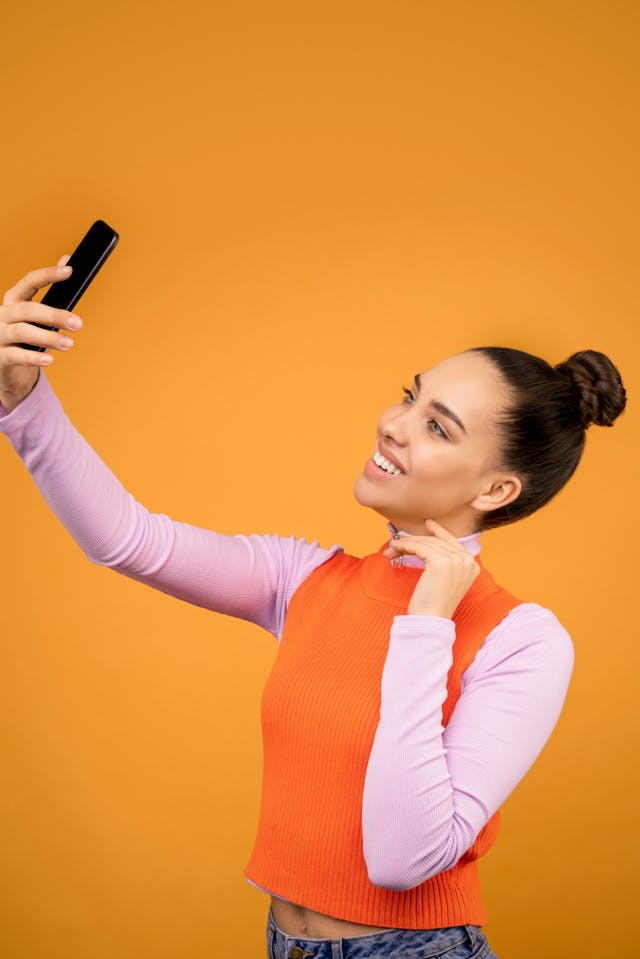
[(389, 944)]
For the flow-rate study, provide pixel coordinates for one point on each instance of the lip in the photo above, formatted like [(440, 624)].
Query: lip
[(384, 452), (375, 473)]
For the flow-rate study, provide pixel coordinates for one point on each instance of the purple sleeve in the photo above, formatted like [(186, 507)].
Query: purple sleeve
[(430, 789), (251, 577)]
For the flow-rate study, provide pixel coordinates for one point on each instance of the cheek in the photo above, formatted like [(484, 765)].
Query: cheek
[(443, 462), (431, 472)]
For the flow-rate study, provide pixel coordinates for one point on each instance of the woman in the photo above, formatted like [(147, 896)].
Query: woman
[(411, 692)]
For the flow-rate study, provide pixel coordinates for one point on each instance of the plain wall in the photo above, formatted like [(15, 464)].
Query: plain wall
[(315, 201)]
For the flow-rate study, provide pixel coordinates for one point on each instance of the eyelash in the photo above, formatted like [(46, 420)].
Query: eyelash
[(430, 420)]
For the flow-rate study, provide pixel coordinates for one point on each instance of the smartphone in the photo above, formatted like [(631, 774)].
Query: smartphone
[(86, 260)]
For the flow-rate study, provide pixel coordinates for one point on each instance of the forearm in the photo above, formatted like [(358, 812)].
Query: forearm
[(407, 774), (89, 500), (429, 790)]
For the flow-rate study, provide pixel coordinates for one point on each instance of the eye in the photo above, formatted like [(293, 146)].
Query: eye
[(410, 399), (409, 394), (442, 432)]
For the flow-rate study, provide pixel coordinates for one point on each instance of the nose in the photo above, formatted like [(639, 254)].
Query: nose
[(393, 428)]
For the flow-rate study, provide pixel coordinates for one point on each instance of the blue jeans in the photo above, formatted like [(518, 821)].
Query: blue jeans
[(453, 942)]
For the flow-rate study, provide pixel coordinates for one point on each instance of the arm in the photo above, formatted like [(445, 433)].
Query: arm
[(429, 791), (251, 577)]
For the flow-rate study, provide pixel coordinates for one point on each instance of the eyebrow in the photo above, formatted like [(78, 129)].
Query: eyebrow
[(440, 406)]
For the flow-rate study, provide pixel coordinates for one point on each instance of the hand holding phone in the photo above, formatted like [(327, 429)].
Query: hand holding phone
[(86, 260), (24, 336)]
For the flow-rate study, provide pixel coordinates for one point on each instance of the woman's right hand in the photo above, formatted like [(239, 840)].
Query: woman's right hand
[(19, 368)]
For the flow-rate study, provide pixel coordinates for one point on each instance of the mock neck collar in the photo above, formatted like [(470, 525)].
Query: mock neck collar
[(471, 543)]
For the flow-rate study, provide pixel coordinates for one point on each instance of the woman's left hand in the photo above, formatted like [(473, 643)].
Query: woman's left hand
[(450, 570)]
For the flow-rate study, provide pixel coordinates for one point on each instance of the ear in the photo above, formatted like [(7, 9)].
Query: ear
[(503, 491)]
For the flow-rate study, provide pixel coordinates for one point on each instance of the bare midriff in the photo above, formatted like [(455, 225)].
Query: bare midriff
[(305, 923)]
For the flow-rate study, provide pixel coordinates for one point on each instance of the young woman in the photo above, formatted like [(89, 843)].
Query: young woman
[(411, 692)]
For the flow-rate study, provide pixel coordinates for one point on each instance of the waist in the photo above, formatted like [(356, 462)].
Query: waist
[(395, 943), (303, 922)]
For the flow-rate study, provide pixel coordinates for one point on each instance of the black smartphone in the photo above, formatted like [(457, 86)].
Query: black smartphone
[(86, 260)]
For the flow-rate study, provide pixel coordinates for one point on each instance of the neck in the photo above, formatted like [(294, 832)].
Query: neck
[(396, 527), (471, 543)]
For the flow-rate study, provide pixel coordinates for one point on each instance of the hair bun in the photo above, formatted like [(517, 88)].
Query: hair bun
[(602, 396)]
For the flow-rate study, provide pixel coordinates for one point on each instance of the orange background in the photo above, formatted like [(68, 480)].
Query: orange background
[(315, 201)]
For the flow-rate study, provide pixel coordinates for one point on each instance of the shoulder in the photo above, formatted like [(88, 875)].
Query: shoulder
[(289, 560), (292, 558), (529, 637), (297, 558)]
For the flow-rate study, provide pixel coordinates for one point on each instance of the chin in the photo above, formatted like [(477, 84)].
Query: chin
[(355, 488), (360, 495), (362, 491)]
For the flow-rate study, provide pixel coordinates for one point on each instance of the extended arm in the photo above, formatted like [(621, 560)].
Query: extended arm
[(429, 790), (251, 577)]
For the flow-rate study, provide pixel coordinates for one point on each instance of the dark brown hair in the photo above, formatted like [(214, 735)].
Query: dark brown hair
[(543, 428)]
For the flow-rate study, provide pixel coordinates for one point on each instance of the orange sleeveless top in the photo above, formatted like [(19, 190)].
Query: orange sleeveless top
[(320, 710)]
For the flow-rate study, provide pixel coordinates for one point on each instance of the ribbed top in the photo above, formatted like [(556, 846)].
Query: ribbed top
[(320, 711)]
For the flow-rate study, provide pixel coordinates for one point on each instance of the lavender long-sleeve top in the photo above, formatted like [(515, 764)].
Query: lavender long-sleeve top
[(428, 790)]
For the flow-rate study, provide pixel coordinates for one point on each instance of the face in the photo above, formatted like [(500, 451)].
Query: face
[(449, 469)]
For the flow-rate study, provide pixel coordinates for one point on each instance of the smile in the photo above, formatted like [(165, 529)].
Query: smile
[(384, 464)]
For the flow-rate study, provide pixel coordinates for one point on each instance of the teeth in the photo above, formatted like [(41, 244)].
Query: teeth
[(379, 460)]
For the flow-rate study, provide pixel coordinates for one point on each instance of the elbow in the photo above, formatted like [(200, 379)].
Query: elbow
[(388, 871), (385, 879), (383, 867)]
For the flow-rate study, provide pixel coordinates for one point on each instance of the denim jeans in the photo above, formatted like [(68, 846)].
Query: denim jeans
[(453, 942)]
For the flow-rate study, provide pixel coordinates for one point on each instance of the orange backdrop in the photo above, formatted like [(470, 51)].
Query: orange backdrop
[(315, 201)]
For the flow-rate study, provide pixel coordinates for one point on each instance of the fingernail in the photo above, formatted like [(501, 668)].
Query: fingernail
[(74, 322), (64, 269)]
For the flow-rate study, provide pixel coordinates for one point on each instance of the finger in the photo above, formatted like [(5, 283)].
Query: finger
[(16, 356), (24, 311), (25, 288), (21, 333), (408, 542), (64, 259), (417, 546), (437, 530)]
